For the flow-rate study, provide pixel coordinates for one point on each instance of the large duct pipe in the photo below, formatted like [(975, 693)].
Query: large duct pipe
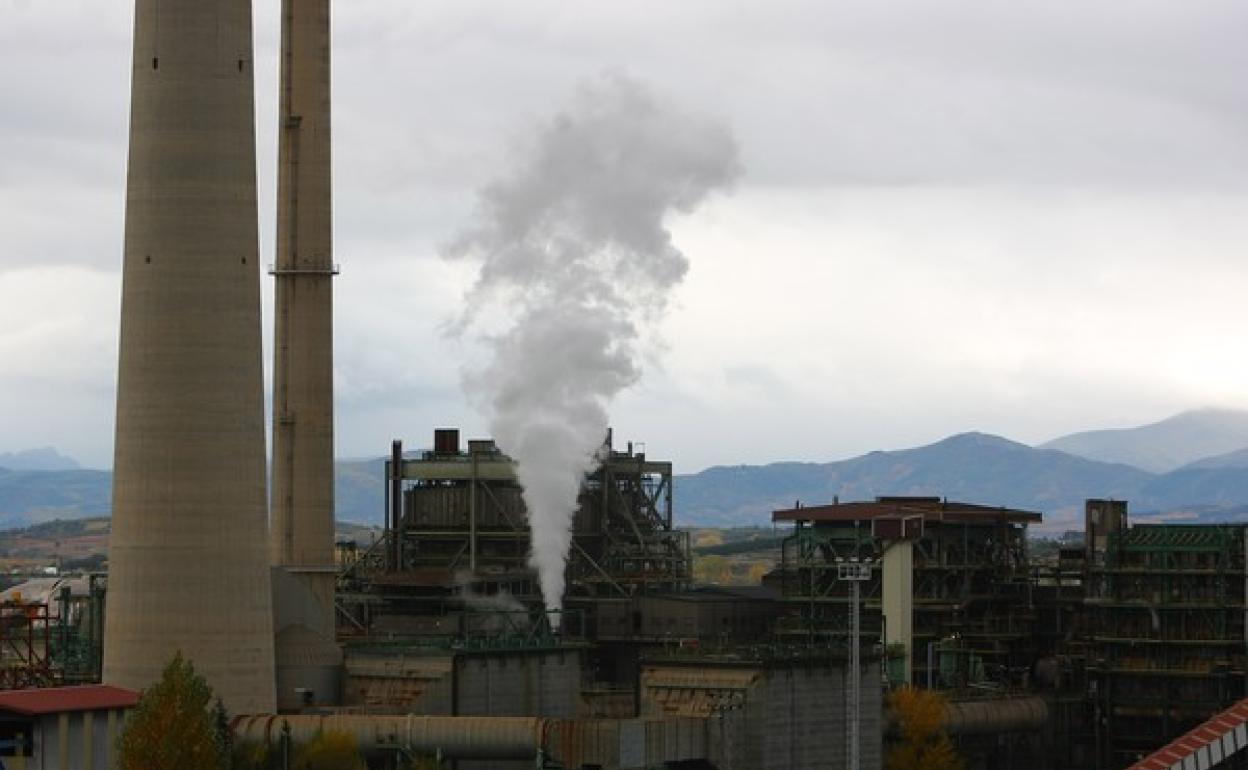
[(996, 715), (991, 715), (454, 737)]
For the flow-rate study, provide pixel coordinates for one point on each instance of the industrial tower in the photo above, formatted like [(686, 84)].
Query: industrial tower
[(187, 559), (302, 502)]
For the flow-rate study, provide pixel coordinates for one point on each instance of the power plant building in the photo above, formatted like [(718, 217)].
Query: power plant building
[(433, 639)]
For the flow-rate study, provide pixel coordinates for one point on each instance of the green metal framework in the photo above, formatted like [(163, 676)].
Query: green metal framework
[(1166, 626), (971, 590)]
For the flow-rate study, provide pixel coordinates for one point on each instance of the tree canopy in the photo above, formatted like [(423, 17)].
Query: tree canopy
[(924, 743), (175, 725)]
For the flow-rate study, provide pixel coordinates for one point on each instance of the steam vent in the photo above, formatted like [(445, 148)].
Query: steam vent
[(189, 558)]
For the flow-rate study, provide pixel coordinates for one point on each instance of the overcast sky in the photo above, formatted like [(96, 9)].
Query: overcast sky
[(1024, 218)]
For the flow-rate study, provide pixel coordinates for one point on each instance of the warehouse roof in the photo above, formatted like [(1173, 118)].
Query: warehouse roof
[(932, 509), (54, 700), (1205, 746)]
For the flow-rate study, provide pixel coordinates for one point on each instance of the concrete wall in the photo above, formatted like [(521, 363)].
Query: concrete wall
[(543, 683), (525, 683), (82, 740), (788, 716)]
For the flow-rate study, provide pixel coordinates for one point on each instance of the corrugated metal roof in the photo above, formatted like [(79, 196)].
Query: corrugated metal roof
[(932, 509), (1205, 746), (54, 700)]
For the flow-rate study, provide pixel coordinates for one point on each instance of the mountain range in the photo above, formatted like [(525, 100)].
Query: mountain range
[(1163, 446), (42, 459), (1194, 464)]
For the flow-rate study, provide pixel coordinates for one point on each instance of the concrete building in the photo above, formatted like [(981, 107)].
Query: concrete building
[(188, 555), (62, 728)]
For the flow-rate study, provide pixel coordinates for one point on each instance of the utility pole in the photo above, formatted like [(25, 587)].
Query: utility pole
[(855, 573)]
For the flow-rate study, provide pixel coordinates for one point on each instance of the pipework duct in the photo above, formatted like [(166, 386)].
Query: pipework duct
[(991, 715), (996, 715), (455, 737)]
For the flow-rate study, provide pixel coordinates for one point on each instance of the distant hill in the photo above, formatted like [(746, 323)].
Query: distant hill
[(971, 467), (1190, 487), (1236, 459), (360, 490), (42, 459), (30, 497), (1162, 446)]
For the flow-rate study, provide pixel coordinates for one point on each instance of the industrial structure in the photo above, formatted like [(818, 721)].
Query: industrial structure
[(51, 632), (188, 558), (951, 576), (457, 533), (1166, 631), (434, 640), (62, 727), (302, 489)]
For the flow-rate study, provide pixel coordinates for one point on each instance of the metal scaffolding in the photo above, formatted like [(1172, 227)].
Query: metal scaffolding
[(971, 580), (1166, 625), (457, 528)]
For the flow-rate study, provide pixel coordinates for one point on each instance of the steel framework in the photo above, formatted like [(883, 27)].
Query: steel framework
[(457, 527), (1166, 624), (971, 578)]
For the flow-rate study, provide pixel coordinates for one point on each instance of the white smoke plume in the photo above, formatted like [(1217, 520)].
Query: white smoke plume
[(575, 261), (495, 612)]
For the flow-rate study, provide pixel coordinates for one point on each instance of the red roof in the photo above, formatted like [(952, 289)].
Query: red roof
[(54, 700), (932, 509), (1199, 743)]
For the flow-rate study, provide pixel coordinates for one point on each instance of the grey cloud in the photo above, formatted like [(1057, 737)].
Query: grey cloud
[(937, 119)]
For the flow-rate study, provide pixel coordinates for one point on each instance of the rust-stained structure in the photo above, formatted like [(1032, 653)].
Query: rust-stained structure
[(51, 630), (188, 556)]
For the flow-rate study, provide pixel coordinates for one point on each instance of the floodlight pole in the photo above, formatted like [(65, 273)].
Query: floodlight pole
[(856, 573)]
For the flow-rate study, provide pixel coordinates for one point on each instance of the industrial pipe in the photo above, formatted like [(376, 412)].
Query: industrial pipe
[(454, 737), (996, 715), (990, 715)]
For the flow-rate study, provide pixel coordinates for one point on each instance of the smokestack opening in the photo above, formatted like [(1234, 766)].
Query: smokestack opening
[(446, 441)]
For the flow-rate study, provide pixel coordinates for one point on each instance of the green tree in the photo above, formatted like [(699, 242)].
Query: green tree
[(174, 727), (924, 743)]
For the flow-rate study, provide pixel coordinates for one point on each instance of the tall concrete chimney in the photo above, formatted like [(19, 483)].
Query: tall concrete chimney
[(187, 566), (302, 501)]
